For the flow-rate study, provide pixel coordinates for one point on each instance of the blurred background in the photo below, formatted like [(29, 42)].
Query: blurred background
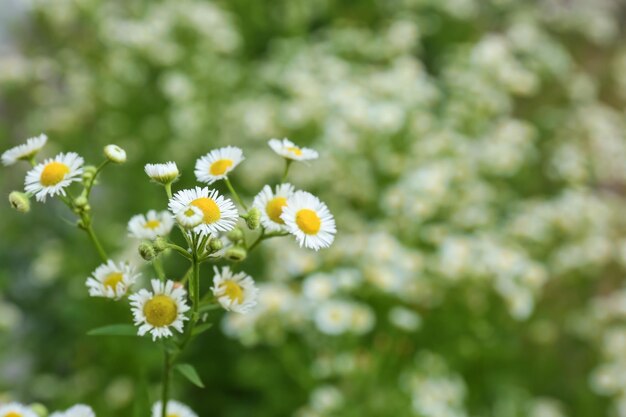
[(473, 153)]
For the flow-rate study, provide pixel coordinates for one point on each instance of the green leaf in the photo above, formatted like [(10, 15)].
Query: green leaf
[(201, 329), (189, 372), (114, 330)]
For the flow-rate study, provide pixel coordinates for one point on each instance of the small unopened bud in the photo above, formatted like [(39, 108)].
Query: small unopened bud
[(159, 244), (39, 409), (115, 154), (147, 252), (235, 235), (215, 244), (89, 172), (19, 201), (235, 254), (253, 218), (81, 201)]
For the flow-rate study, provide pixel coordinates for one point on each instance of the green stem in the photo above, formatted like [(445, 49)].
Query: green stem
[(158, 268), (234, 194), (167, 364), (263, 237), (168, 189), (286, 172), (89, 185), (179, 249), (94, 239)]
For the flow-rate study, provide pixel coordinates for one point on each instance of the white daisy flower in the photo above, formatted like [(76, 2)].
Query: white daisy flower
[(220, 214), (333, 317), (16, 410), (79, 410), (165, 173), (235, 292), (217, 164), (52, 176), (111, 280), (309, 220), (271, 205), (174, 409), (158, 310), (287, 149), (190, 217), (24, 151), (151, 225), (115, 154)]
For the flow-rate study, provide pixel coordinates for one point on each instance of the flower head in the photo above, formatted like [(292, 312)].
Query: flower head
[(111, 280), (115, 154), (287, 149), (219, 213), (24, 151), (174, 409), (151, 225), (16, 410), (52, 176), (190, 217), (164, 174), (217, 164), (79, 410), (309, 220), (235, 292), (157, 310), (271, 205)]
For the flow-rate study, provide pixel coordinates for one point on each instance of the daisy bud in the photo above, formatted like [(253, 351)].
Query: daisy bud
[(115, 154), (160, 244), (39, 409), (88, 172), (81, 201), (253, 218), (236, 254), (147, 252), (215, 244), (235, 235), (163, 174), (19, 201)]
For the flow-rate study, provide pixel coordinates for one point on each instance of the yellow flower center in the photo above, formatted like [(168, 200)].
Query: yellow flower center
[(173, 415), (220, 166), (152, 224), (53, 173), (274, 209), (295, 150), (113, 279), (209, 208), (13, 414), (189, 212), (233, 291), (160, 310), (308, 221)]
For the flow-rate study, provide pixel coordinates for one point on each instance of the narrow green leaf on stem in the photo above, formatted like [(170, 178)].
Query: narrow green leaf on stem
[(189, 372), (114, 330)]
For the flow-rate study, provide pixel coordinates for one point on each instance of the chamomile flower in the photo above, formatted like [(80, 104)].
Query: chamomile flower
[(24, 151), (111, 280), (52, 176), (287, 149), (333, 317), (164, 174), (79, 410), (151, 225), (174, 409), (271, 205), (235, 292), (16, 410), (157, 310), (219, 213), (217, 164), (190, 217), (309, 220)]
